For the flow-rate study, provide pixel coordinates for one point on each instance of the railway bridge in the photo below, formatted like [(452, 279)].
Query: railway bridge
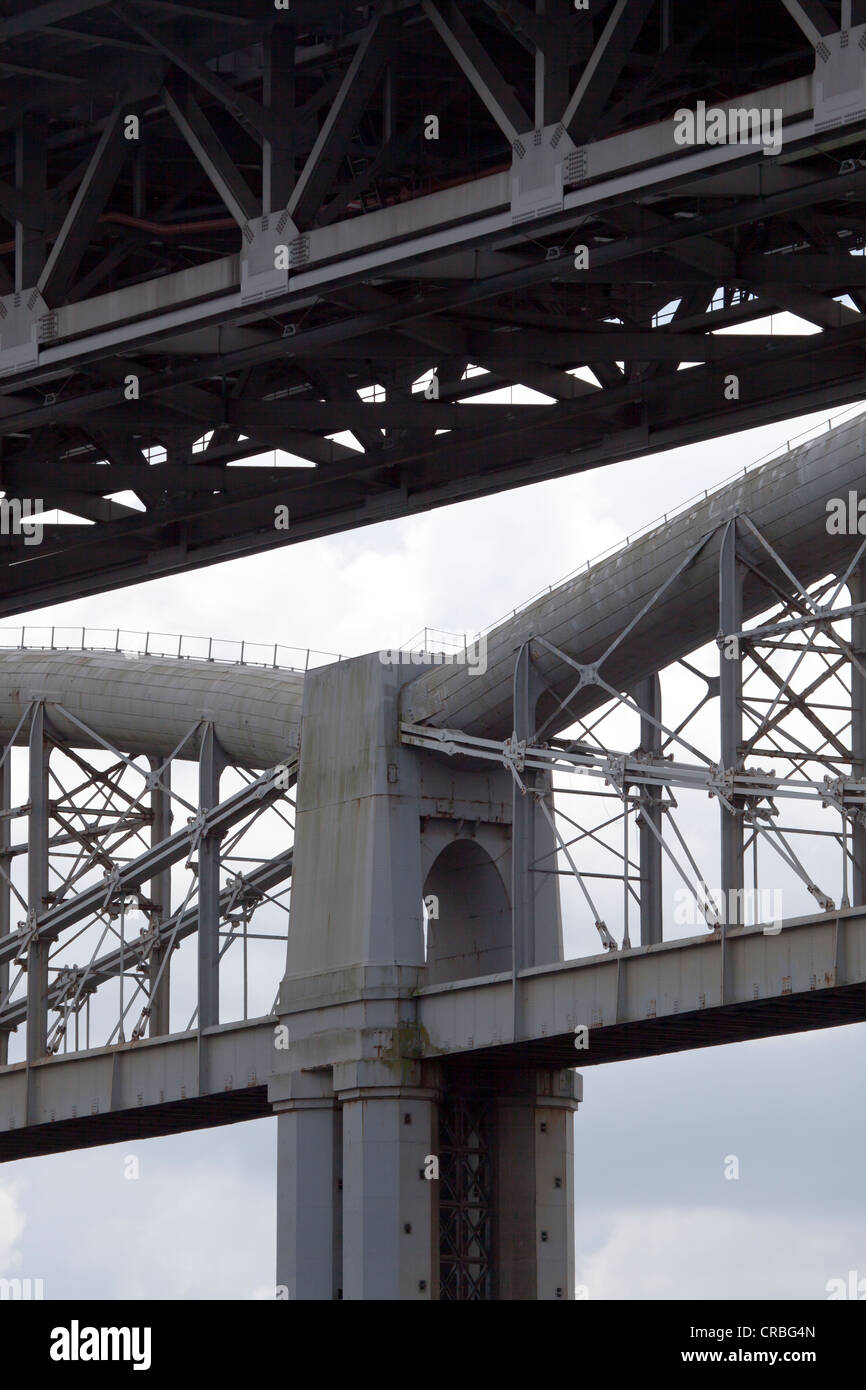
[(643, 765)]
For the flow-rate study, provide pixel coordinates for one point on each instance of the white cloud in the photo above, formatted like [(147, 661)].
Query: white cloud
[(11, 1230), (711, 1252), (198, 1223)]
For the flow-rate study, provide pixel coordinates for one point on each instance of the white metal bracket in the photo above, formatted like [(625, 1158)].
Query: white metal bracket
[(23, 325), (537, 173), (271, 249)]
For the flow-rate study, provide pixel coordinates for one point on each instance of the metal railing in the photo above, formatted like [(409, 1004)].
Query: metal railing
[(434, 639), (796, 440), (271, 656), (277, 657)]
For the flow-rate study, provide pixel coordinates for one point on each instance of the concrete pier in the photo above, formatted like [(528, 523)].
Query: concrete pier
[(380, 827)]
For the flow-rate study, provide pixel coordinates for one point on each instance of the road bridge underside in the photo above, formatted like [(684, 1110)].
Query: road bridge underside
[(429, 172)]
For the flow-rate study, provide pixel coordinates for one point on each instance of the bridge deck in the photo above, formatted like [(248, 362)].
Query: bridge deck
[(650, 1000)]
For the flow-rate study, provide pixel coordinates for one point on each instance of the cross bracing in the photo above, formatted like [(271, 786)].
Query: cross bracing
[(125, 860), (431, 170)]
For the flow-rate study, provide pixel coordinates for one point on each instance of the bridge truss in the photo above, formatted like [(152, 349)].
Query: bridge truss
[(119, 864), (789, 705), (332, 231)]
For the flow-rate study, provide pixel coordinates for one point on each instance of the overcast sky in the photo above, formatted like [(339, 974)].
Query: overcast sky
[(656, 1217)]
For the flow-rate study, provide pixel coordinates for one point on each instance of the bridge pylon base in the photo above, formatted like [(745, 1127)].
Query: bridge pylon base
[(457, 1186)]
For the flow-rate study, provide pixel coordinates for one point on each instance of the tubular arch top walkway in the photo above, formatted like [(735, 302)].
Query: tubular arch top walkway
[(149, 704)]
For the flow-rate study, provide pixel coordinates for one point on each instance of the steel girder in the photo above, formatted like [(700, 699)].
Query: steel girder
[(159, 157)]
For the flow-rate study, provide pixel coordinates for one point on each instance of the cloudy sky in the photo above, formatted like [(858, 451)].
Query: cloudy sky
[(656, 1216)]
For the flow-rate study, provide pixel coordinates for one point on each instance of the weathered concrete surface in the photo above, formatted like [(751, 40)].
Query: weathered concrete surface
[(379, 825)]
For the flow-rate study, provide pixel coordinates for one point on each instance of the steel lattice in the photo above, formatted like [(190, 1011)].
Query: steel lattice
[(465, 1200)]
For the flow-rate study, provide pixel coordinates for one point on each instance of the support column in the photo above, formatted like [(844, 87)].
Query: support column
[(523, 823), (37, 886), (553, 62), (348, 1001), (5, 891), (731, 731), (536, 919), (30, 183), (857, 590), (278, 172), (211, 764), (647, 695), (390, 1209), (534, 1185), (139, 177), (309, 1182), (160, 895)]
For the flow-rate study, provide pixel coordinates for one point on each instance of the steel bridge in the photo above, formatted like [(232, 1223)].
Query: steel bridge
[(632, 817), (660, 764), (237, 226)]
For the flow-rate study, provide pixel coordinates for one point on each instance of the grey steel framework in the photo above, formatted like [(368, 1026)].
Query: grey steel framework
[(465, 1198), (105, 829), (225, 220), (679, 727)]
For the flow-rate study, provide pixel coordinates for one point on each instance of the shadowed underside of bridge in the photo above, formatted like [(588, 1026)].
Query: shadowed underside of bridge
[(428, 817), (626, 1042), (229, 229), (143, 1122)]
